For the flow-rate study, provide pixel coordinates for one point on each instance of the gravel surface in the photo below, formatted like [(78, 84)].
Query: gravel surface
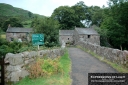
[(84, 63)]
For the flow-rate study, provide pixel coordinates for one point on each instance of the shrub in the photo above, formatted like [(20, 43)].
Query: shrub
[(5, 49), (23, 49), (51, 66), (45, 67), (35, 70), (3, 41), (15, 46)]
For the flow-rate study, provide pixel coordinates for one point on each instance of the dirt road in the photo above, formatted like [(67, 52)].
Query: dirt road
[(83, 63)]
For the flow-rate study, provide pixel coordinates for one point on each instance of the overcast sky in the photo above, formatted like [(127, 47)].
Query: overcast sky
[(46, 7)]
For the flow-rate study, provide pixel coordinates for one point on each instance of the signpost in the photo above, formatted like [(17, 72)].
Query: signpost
[(37, 39)]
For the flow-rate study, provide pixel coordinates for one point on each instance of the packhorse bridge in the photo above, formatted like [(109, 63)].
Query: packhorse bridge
[(84, 63)]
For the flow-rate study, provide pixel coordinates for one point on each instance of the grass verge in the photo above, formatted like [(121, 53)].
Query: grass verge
[(119, 68), (58, 79)]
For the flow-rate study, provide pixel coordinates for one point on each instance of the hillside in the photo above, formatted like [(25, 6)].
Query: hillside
[(8, 11)]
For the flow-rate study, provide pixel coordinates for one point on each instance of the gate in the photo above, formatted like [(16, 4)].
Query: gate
[(2, 81), (2, 72)]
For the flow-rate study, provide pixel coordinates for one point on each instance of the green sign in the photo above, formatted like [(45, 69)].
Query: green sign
[(37, 39)]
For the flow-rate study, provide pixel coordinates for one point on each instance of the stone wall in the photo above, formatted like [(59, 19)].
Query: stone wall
[(114, 55), (65, 38), (18, 62), (16, 36)]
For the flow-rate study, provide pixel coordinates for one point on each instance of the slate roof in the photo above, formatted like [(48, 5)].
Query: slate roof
[(89, 31), (17, 29), (66, 32)]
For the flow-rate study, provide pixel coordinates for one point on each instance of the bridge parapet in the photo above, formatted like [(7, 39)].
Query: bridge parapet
[(114, 55)]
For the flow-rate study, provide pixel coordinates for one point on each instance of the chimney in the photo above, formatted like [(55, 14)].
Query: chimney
[(9, 26)]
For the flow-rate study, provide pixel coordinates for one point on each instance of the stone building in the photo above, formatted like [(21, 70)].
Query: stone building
[(86, 34), (16, 33), (78, 34), (66, 36)]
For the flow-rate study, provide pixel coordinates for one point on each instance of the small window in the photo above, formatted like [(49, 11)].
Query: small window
[(68, 38), (88, 36), (12, 39)]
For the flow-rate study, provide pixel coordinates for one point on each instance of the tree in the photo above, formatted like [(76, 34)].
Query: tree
[(116, 23), (69, 17), (65, 16), (49, 28), (80, 13), (14, 22), (116, 2), (29, 14), (80, 10), (94, 15)]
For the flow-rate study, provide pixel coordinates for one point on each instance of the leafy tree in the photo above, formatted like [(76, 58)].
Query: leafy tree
[(80, 13), (116, 24), (14, 22), (30, 14), (49, 28), (94, 15), (66, 16), (69, 17)]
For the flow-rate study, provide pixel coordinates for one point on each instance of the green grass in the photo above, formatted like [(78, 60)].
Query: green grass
[(58, 79), (27, 23), (119, 68), (3, 35)]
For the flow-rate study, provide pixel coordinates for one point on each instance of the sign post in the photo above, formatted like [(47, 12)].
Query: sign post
[(37, 39), (38, 47)]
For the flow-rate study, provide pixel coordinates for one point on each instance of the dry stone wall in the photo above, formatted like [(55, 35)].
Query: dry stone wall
[(114, 55), (18, 62)]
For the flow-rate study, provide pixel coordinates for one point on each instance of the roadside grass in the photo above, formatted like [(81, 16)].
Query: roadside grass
[(56, 79), (119, 68)]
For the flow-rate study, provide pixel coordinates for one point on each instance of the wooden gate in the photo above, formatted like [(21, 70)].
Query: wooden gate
[(2, 70), (2, 79)]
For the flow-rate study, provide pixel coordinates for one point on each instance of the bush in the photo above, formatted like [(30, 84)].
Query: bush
[(3, 41), (15, 45), (9, 47), (5, 49), (23, 49), (45, 67), (35, 70)]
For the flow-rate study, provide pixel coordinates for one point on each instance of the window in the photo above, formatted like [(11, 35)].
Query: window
[(88, 36), (12, 39), (68, 38)]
